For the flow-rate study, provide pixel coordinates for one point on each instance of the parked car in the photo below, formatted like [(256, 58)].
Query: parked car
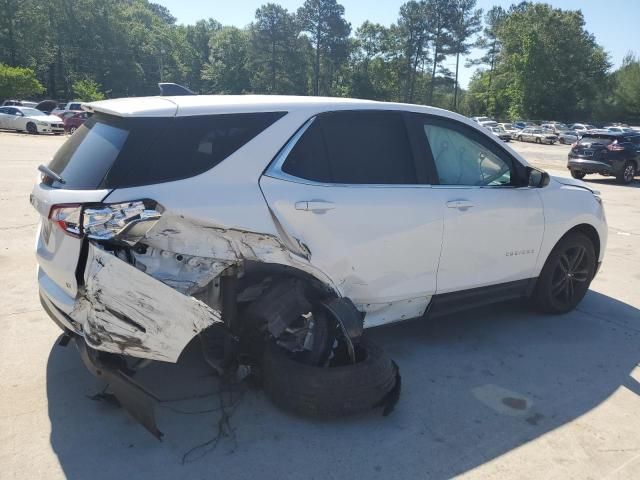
[(509, 128), (18, 103), (485, 122), (68, 109), (164, 217), (46, 106), (501, 133), (606, 153), (581, 128), (620, 129), (537, 135), (568, 137), (29, 120), (554, 127), (73, 122)]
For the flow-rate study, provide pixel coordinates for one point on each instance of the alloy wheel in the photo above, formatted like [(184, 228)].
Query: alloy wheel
[(571, 272), (629, 173)]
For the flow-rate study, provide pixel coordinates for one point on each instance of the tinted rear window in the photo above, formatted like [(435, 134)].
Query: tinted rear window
[(367, 147), (597, 139), (113, 152)]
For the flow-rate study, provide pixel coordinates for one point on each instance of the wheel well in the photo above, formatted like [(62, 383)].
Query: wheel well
[(590, 232)]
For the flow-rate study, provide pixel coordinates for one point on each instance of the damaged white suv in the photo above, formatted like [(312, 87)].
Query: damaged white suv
[(164, 216)]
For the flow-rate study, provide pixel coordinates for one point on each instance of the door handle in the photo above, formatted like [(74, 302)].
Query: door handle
[(460, 204), (315, 206)]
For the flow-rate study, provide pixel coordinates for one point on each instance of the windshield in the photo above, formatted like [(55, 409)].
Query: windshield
[(32, 112)]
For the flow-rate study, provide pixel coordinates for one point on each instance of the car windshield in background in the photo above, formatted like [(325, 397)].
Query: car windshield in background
[(114, 152), (32, 112)]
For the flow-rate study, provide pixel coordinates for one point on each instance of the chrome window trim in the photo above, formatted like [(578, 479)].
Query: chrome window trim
[(275, 169)]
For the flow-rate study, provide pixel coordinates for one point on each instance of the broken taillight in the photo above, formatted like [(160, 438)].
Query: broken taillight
[(67, 217), (127, 222)]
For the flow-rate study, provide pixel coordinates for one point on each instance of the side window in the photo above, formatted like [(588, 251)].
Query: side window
[(354, 147), (463, 157)]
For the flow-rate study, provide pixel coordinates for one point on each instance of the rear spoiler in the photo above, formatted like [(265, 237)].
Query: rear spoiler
[(173, 90)]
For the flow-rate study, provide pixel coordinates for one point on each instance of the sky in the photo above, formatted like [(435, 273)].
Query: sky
[(613, 22)]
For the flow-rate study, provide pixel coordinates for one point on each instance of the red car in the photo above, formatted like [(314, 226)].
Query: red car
[(73, 122)]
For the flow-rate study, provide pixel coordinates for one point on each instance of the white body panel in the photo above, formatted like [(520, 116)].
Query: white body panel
[(388, 248)]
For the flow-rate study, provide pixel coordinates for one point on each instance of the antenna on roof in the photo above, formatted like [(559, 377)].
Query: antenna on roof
[(174, 90)]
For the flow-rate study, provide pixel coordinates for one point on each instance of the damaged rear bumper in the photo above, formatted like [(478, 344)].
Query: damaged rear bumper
[(123, 310)]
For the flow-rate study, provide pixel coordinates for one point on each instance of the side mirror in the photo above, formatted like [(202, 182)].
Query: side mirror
[(538, 178)]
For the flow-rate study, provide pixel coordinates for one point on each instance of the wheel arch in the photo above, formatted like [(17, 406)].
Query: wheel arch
[(588, 231)]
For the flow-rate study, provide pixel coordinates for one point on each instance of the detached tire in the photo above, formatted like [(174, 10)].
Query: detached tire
[(332, 391)]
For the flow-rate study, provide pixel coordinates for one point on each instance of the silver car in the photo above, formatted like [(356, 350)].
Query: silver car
[(537, 135)]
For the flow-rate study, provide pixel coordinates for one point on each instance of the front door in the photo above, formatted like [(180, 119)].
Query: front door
[(493, 225)]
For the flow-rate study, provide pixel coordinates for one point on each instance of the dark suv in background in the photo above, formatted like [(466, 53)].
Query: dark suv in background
[(606, 153)]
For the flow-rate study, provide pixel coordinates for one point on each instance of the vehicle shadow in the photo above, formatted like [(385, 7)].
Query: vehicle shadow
[(612, 181), (475, 386)]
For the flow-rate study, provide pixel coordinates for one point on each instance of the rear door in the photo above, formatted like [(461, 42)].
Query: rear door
[(348, 189)]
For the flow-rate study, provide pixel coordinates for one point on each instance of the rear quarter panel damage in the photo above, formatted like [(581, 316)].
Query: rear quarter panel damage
[(123, 310)]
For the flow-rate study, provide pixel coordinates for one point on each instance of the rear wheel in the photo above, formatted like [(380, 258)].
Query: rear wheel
[(627, 174), (577, 174), (32, 129), (373, 381), (566, 275)]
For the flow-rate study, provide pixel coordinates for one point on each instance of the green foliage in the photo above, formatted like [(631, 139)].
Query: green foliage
[(18, 83), (87, 90), (537, 61)]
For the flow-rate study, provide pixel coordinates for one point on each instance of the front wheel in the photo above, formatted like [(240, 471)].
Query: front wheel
[(32, 129), (627, 174), (577, 174), (519, 138), (538, 141), (72, 130), (566, 275)]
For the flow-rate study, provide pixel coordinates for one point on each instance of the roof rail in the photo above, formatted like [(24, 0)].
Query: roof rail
[(174, 90)]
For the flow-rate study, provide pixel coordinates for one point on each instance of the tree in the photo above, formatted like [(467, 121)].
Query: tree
[(442, 15), (226, 71), (490, 43), (467, 23), (626, 89), (413, 34), (537, 87), (275, 51), (87, 90), (18, 82), (328, 31)]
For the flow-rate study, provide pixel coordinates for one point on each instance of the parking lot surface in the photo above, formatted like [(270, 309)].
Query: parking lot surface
[(497, 392)]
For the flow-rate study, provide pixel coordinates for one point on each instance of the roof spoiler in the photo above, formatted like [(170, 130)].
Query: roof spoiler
[(173, 90)]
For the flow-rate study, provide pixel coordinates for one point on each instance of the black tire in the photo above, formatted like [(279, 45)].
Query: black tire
[(331, 391), (519, 138), (627, 174), (577, 174), (538, 141), (566, 275), (32, 129)]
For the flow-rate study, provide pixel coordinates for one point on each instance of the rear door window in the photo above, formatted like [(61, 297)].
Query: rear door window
[(354, 147), (114, 152)]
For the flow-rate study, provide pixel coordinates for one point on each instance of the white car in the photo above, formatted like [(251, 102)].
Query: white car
[(537, 135), (69, 108), (163, 216), (31, 120)]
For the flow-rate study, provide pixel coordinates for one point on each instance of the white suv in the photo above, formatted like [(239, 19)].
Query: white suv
[(156, 205)]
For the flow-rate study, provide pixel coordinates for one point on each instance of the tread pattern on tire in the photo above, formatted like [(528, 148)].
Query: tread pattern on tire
[(330, 392)]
